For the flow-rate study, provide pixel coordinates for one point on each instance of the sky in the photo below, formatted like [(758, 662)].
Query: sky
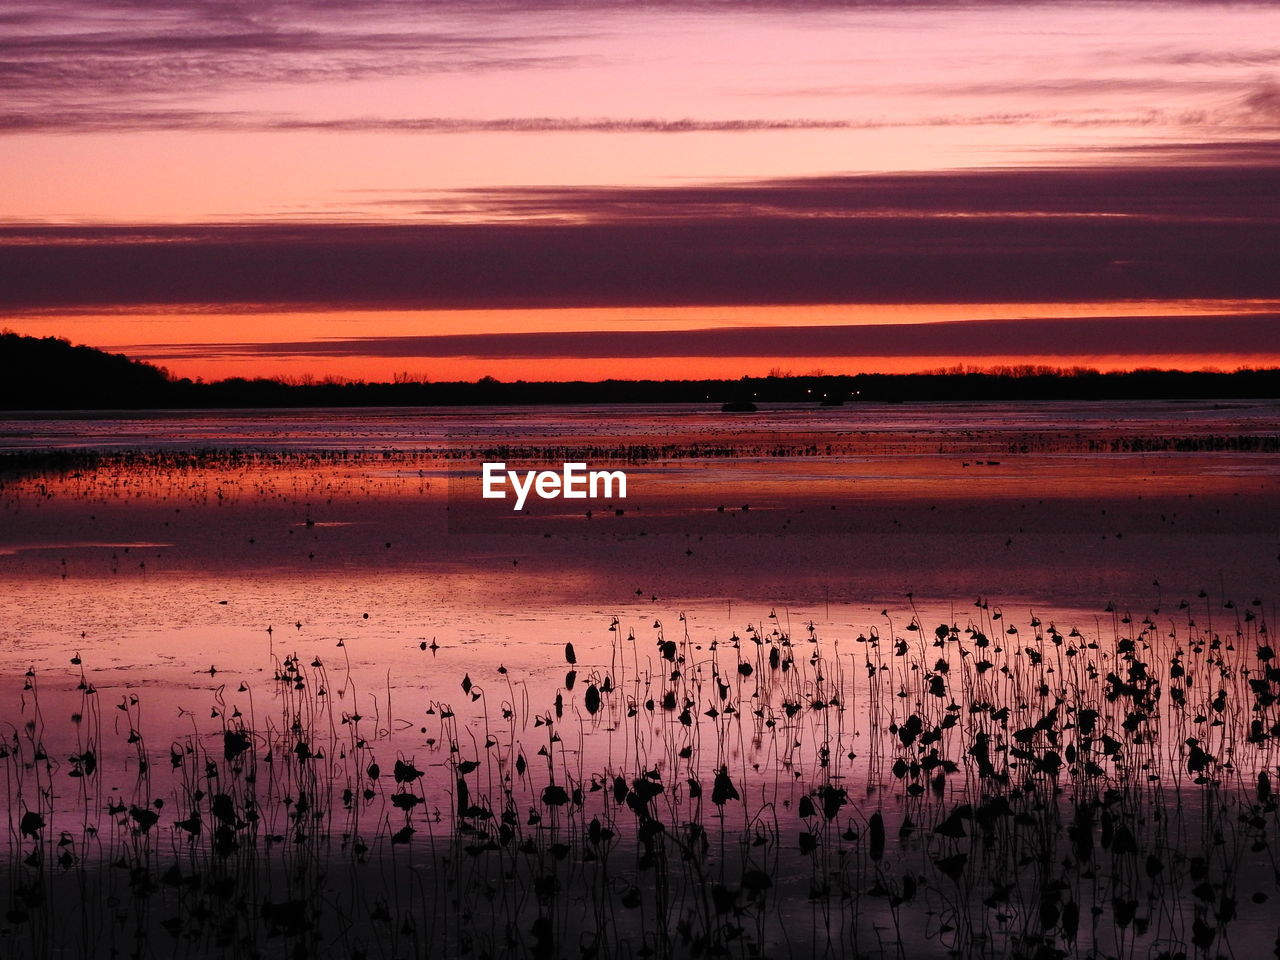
[(389, 188)]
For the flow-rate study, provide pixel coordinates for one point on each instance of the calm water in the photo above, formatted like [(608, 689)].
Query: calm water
[(776, 597)]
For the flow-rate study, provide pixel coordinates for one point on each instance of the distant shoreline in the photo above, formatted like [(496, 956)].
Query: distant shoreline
[(51, 374), (735, 396)]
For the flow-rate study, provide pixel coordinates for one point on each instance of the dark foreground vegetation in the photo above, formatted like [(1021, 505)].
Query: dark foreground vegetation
[(975, 788), (51, 374)]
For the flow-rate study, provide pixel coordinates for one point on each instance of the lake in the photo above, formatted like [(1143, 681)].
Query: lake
[(953, 679)]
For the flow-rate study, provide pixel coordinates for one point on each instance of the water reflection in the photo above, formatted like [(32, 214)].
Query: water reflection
[(887, 697)]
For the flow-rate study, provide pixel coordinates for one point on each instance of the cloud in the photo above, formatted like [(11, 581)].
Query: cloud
[(1264, 101), (1205, 190), (74, 56), (87, 118), (96, 121), (1019, 86), (84, 66), (1241, 152), (1246, 57), (1067, 337), (1126, 232)]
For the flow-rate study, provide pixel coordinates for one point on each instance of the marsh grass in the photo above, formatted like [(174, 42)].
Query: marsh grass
[(919, 789)]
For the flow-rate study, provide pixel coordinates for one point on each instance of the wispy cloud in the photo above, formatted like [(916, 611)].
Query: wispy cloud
[(89, 120), (82, 66), (140, 58), (1236, 187), (1263, 102), (1245, 55), (98, 121)]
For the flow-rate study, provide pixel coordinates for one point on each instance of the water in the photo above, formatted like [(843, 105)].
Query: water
[(194, 555)]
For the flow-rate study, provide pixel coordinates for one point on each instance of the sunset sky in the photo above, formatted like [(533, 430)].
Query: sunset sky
[(582, 189)]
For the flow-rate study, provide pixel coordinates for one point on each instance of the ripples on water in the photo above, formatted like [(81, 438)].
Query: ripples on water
[(308, 699)]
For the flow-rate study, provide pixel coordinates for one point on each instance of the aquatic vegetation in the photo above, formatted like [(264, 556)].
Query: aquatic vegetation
[(977, 787)]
